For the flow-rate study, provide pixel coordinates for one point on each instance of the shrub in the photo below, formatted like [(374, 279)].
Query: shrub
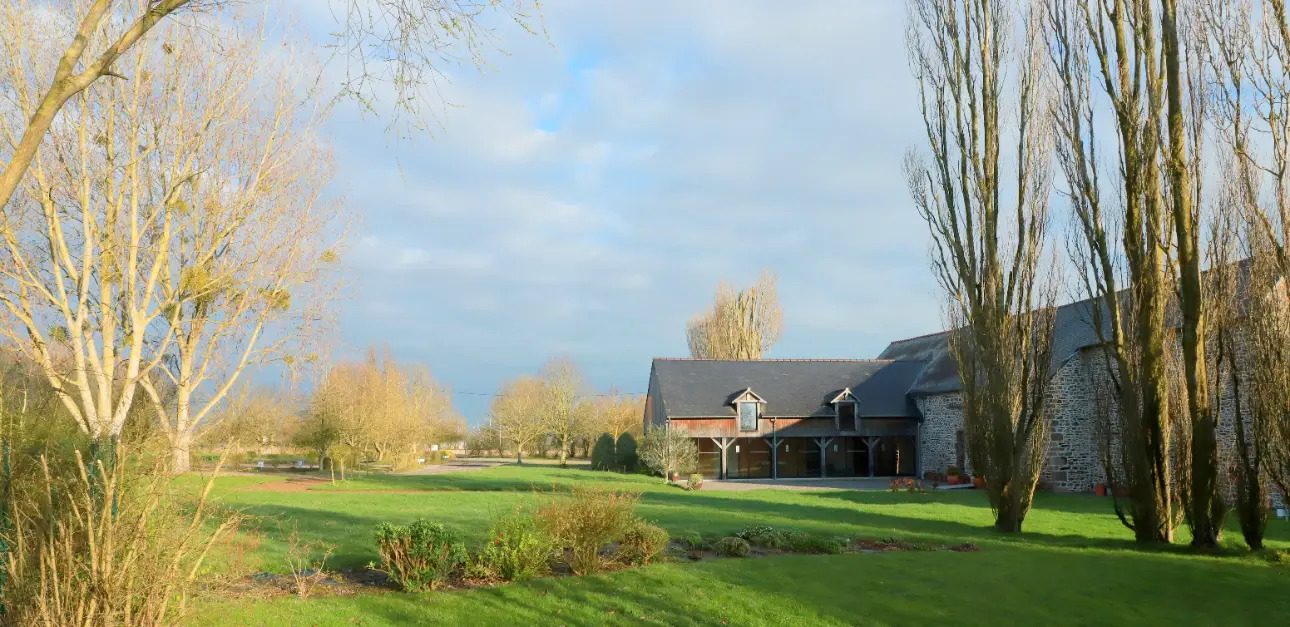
[(752, 531), (692, 540), (694, 482), (420, 555), (308, 562), (517, 549), (732, 547), (906, 484), (815, 544), (602, 454), (669, 450), (625, 453), (101, 539), (642, 543), (953, 471), (586, 522)]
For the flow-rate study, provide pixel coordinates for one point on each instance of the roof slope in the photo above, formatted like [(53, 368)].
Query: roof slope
[(698, 388), (1072, 330)]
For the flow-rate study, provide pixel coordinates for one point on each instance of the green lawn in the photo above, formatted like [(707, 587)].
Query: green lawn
[(1074, 565)]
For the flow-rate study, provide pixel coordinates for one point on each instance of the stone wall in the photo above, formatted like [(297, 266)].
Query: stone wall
[(1081, 390), (942, 419), (1074, 463)]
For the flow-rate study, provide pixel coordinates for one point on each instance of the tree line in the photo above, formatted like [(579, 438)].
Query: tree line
[(553, 411), (1124, 112)]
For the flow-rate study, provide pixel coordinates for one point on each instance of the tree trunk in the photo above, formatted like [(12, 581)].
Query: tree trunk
[(1011, 512), (181, 443)]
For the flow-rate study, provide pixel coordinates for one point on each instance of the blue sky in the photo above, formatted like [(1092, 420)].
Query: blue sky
[(583, 195)]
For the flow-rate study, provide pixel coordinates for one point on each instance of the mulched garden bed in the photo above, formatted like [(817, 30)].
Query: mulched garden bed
[(348, 582)]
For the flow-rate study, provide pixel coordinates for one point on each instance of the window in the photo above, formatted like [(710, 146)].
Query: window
[(846, 416), (747, 416)]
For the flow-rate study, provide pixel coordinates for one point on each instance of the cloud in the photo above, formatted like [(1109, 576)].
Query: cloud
[(585, 197)]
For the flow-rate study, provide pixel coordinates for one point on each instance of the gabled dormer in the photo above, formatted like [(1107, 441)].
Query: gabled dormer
[(844, 410), (748, 409)]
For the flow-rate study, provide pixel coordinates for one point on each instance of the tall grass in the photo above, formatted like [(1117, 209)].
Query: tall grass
[(95, 543)]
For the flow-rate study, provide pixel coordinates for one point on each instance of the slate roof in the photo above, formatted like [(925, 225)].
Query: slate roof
[(700, 388), (1072, 330)]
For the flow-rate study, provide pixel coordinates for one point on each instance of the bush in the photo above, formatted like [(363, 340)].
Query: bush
[(603, 456), (816, 544), (694, 482), (906, 484), (586, 522), (732, 547), (421, 555), (101, 539), (751, 531), (692, 540), (517, 549), (625, 453), (669, 450), (642, 542)]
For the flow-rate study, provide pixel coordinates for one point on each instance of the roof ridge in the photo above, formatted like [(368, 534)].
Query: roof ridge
[(919, 337)]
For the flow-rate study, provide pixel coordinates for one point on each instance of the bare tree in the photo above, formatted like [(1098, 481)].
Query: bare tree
[(380, 409), (385, 43), (665, 450), (251, 418), (619, 413), (517, 413), (565, 417), (1114, 47), (988, 256), (742, 324)]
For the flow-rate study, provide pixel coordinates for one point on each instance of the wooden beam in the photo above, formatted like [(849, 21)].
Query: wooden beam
[(823, 443), (724, 444), (871, 443)]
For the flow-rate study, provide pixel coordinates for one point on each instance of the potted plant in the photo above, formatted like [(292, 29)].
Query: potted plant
[(695, 482), (952, 475), (932, 476), (978, 482), (1100, 489)]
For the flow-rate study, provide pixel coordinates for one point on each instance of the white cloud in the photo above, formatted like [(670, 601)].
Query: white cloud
[(586, 198)]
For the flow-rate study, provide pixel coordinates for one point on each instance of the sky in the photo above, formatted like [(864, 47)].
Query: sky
[(584, 194)]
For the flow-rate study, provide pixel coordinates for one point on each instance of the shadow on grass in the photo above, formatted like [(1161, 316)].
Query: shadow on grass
[(1018, 585)]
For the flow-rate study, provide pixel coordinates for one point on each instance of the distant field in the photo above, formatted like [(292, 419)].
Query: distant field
[(1075, 564)]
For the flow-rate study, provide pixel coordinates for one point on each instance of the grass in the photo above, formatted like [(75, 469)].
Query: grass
[(1076, 564)]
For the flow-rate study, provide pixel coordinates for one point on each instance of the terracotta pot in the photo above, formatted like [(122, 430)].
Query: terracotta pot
[(1099, 490), (978, 482), (952, 479), (674, 476)]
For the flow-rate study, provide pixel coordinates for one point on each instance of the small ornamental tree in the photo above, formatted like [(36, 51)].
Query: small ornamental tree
[(603, 456), (627, 459), (666, 450)]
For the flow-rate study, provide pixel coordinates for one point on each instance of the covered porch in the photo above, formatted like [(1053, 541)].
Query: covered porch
[(818, 457)]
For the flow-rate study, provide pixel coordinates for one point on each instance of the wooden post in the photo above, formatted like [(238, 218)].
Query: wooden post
[(871, 443), (724, 445), (824, 455), (774, 454)]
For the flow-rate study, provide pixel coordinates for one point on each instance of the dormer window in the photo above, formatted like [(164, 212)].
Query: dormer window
[(847, 416), (748, 416), (844, 406), (748, 409)]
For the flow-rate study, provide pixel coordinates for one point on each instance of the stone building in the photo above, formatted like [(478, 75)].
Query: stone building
[(807, 418)]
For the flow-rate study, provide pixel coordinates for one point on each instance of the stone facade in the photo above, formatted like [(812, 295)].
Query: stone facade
[(938, 433), (1080, 392)]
